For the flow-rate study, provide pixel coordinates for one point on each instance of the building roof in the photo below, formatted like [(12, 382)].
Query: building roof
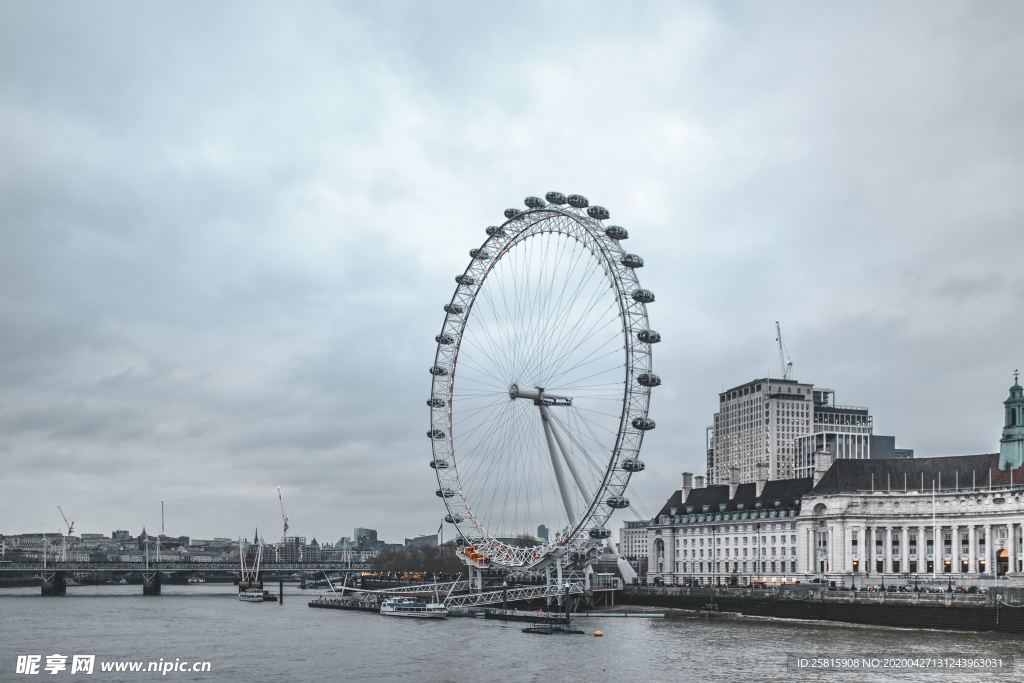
[(918, 474), (786, 491)]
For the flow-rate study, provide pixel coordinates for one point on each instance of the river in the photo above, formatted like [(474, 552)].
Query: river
[(291, 642)]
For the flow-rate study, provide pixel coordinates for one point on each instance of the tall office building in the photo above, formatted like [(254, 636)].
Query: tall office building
[(764, 420), (843, 431)]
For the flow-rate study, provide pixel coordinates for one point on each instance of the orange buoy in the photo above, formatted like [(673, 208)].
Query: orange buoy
[(598, 633)]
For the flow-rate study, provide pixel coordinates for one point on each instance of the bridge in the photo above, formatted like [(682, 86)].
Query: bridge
[(53, 574)]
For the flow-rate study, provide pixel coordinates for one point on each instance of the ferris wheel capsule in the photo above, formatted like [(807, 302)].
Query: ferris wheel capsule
[(616, 232), (632, 261), (578, 201), (648, 336), (534, 202), (599, 213), (643, 423), (633, 465), (648, 379), (555, 198), (512, 213), (643, 296)]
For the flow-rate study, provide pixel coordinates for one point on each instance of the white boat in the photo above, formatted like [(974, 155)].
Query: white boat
[(250, 595), (410, 607)]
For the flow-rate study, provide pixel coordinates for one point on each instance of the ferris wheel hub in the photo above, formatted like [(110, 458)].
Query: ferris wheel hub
[(538, 396)]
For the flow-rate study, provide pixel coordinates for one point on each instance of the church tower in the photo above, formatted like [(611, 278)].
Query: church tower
[(1011, 446)]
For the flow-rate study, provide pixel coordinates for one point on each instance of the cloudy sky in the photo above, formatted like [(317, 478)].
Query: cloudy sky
[(227, 230)]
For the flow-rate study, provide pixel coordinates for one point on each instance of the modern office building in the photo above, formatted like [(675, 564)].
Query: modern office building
[(427, 541), (633, 539), (884, 448), (782, 423)]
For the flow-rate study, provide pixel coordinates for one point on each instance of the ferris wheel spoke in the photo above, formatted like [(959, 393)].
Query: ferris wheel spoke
[(552, 339), (588, 363), (567, 349)]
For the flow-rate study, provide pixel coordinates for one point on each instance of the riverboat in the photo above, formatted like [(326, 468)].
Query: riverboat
[(250, 595), (410, 607)]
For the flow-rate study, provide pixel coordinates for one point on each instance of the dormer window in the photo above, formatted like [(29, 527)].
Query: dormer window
[(704, 508), (739, 506)]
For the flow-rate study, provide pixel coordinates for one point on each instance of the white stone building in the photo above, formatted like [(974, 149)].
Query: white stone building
[(958, 519), (728, 534)]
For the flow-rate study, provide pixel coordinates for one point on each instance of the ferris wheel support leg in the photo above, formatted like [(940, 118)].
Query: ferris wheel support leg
[(558, 566), (547, 576), (580, 484), (563, 487)]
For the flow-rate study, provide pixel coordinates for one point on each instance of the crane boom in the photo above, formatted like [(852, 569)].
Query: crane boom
[(284, 517), (70, 523), (784, 360)]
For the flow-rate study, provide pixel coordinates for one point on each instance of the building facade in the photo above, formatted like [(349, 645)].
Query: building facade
[(727, 534), (633, 539), (957, 520), (782, 423)]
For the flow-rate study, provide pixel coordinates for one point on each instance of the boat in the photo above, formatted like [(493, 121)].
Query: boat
[(250, 595), (553, 629), (356, 604), (532, 616), (411, 607)]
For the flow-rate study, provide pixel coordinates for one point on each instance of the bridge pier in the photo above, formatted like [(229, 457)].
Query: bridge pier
[(54, 584), (151, 583)]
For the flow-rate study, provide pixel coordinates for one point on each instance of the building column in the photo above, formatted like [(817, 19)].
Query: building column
[(887, 540), (988, 550), (905, 549), (862, 548), (832, 549), (922, 550), (954, 552), (972, 548), (812, 565), (1011, 548), (847, 549)]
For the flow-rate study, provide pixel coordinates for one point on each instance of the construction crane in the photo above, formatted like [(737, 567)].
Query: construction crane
[(784, 360), (64, 537), (70, 523), (284, 516)]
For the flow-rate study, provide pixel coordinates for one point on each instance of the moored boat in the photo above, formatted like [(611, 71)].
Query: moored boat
[(410, 607)]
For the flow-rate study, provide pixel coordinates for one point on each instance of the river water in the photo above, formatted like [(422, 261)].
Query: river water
[(291, 642)]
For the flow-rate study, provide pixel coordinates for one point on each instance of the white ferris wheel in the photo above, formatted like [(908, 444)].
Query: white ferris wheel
[(541, 385)]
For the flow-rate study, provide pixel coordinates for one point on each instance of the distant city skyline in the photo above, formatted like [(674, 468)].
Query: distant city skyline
[(223, 272)]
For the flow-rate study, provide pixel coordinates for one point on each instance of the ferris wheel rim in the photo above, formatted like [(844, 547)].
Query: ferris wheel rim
[(604, 245)]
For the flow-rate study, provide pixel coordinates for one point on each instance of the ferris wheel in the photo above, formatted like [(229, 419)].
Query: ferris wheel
[(541, 385)]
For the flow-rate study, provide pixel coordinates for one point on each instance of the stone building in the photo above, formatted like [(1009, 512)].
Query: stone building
[(728, 534), (959, 519)]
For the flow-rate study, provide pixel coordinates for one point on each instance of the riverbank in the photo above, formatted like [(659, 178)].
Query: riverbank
[(1001, 610)]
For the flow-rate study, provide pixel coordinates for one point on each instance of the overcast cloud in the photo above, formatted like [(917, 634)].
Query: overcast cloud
[(227, 231)]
